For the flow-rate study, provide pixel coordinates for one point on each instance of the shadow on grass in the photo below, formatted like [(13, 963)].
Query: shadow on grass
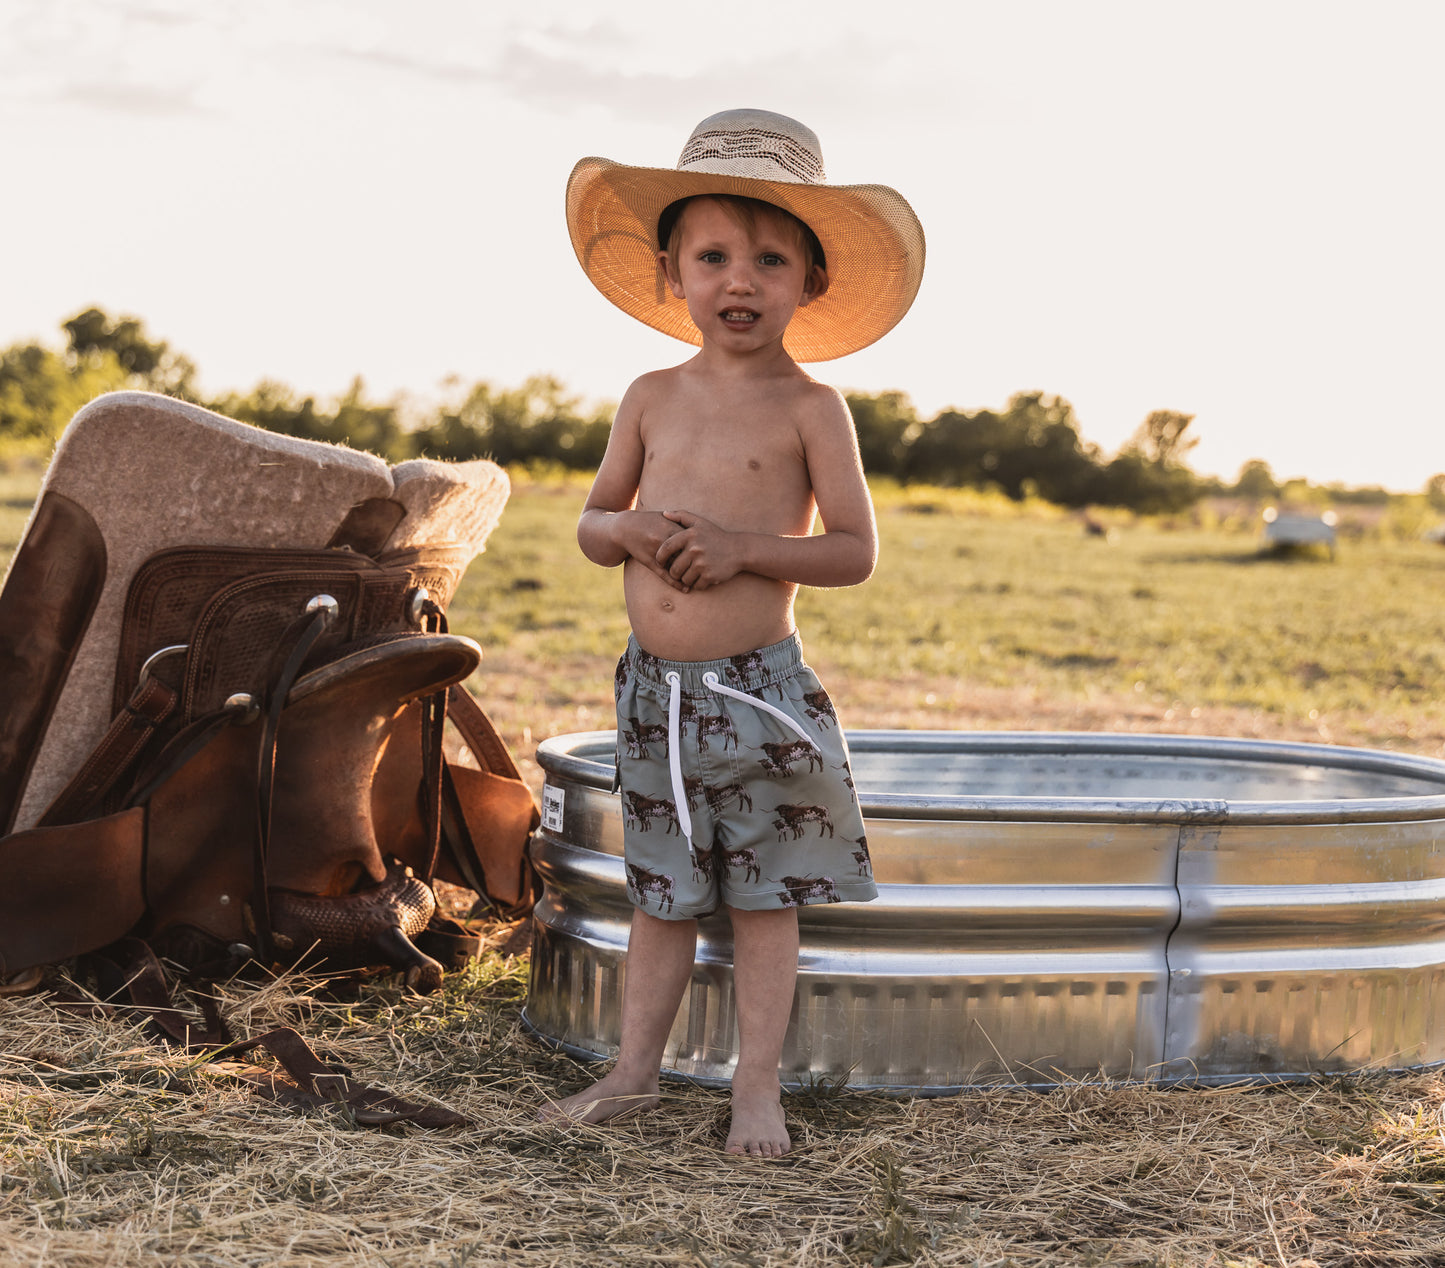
[(1278, 555)]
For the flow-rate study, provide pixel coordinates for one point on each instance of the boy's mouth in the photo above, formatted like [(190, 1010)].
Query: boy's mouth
[(739, 316)]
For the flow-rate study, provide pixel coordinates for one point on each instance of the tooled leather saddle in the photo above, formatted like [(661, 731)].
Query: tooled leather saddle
[(225, 682)]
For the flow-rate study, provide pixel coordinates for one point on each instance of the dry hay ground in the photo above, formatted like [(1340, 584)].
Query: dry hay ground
[(116, 1152)]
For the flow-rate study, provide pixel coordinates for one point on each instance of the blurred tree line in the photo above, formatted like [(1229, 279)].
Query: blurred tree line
[(1032, 448)]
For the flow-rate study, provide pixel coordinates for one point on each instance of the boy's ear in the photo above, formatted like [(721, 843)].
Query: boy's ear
[(815, 286), (674, 279)]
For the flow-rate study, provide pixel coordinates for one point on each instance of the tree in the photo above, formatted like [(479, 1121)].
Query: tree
[(1435, 491), (1033, 446), (538, 420), (886, 424), (92, 334), (40, 390), (1256, 480), (1150, 488), (1160, 440)]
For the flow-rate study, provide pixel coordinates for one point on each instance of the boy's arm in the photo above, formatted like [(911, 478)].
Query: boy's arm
[(609, 530), (703, 554)]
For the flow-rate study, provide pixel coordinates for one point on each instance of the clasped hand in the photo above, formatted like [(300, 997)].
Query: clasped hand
[(687, 551)]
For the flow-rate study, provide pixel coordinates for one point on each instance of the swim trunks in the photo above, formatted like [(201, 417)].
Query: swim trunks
[(735, 785)]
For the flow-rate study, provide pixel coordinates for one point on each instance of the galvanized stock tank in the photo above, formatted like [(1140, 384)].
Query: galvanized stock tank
[(1055, 906)]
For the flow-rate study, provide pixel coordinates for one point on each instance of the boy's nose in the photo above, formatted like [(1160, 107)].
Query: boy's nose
[(740, 282)]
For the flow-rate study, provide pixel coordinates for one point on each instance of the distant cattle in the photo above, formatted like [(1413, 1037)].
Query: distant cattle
[(641, 811), (745, 858), (794, 817), (641, 882), (802, 889), (778, 759)]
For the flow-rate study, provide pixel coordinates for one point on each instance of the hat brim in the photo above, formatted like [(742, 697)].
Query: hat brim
[(872, 240)]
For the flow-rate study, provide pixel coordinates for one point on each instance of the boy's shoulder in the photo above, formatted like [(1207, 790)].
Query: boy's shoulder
[(653, 385), (813, 407)]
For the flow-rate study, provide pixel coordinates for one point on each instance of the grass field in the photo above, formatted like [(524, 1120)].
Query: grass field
[(983, 617), (116, 1152)]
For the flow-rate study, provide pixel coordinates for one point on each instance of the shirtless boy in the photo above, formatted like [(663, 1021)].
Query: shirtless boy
[(734, 773)]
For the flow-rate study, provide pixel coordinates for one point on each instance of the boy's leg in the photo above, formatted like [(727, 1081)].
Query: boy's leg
[(765, 974), (658, 968)]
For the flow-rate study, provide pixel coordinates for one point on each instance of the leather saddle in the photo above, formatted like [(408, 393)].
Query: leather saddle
[(232, 719)]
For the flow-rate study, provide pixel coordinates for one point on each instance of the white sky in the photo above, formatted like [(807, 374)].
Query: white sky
[(1229, 209)]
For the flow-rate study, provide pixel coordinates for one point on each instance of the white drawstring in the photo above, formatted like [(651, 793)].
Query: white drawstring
[(674, 756), (674, 746), (710, 681)]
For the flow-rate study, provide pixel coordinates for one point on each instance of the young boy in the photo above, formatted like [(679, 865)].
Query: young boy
[(733, 770)]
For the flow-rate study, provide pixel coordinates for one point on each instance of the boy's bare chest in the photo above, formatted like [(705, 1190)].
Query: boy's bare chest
[(729, 462)]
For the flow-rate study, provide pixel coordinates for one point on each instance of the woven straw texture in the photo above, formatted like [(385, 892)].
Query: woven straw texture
[(873, 241)]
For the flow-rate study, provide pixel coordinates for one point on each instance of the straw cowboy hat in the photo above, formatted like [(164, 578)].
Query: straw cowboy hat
[(870, 236)]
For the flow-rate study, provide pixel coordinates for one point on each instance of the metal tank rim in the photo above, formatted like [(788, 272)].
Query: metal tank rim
[(564, 756)]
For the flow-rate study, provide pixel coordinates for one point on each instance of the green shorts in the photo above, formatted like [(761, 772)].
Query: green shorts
[(735, 786)]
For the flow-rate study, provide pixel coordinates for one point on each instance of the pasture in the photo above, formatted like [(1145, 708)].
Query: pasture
[(114, 1151)]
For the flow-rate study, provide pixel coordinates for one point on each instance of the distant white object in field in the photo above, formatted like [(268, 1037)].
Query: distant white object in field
[(1286, 530)]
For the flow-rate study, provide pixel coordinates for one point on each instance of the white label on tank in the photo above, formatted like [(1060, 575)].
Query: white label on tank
[(551, 808)]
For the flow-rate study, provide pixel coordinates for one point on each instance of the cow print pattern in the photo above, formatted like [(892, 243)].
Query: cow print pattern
[(775, 818)]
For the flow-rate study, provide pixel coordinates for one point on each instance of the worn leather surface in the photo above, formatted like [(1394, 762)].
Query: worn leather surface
[(54, 582), (337, 723), (230, 606), (500, 815), (202, 822), (68, 890)]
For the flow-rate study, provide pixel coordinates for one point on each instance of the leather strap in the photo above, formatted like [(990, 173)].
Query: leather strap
[(50, 592), (118, 751), (307, 1083), (481, 736)]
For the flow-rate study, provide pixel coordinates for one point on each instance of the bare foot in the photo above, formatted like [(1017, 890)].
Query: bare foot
[(758, 1129), (610, 1097)]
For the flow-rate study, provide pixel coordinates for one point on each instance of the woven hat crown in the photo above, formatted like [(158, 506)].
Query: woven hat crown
[(754, 143)]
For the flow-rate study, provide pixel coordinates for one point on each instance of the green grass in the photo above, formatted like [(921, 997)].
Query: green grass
[(967, 598)]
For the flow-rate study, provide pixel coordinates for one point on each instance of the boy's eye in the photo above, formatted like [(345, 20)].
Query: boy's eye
[(712, 257), (770, 258)]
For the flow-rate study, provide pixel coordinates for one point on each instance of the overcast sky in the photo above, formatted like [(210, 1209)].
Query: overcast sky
[(1229, 209)]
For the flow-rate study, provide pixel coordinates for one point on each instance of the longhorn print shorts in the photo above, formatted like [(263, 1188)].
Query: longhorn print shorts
[(735, 786)]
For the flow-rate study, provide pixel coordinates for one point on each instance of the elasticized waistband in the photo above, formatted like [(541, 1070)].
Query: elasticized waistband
[(750, 672)]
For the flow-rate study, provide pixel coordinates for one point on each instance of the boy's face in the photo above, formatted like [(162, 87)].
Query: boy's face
[(742, 286)]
